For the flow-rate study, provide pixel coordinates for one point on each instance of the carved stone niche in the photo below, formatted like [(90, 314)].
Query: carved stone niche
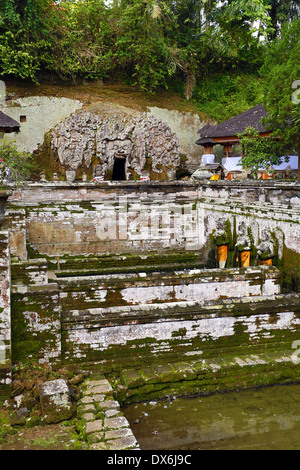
[(115, 158), (98, 170)]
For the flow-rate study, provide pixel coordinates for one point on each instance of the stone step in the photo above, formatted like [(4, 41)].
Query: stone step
[(144, 288), (103, 426), (207, 376), (169, 311)]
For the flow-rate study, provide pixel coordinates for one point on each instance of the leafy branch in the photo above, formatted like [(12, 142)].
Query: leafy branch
[(15, 166), (259, 152)]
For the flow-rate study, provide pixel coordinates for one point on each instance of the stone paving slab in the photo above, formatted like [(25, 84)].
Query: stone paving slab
[(103, 425)]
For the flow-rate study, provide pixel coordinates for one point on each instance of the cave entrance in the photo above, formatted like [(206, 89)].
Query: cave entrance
[(118, 173)]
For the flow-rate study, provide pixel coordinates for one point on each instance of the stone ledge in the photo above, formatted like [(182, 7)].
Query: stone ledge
[(207, 376)]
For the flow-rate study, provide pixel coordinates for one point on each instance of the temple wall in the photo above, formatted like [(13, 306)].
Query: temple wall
[(86, 219), (125, 275)]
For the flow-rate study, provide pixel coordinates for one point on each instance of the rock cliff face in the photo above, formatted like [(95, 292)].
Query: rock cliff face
[(119, 147)]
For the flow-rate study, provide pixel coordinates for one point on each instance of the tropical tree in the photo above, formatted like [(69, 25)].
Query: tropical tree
[(26, 30), (281, 73), (212, 35), (259, 152), (141, 42), (84, 39), (282, 12)]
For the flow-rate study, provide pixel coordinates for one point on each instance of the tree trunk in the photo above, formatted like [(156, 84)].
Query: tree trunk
[(273, 12)]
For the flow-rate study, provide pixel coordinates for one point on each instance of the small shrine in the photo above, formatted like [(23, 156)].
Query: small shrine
[(7, 124), (226, 133)]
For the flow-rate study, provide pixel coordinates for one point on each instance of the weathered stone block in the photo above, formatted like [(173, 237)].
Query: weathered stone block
[(94, 426), (116, 423), (132, 378), (128, 442), (98, 446), (16, 223), (99, 390), (118, 433), (88, 408), (108, 404), (29, 272), (55, 401), (36, 325)]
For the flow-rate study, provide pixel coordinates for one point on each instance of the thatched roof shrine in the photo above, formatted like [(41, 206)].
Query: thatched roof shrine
[(226, 133), (7, 124)]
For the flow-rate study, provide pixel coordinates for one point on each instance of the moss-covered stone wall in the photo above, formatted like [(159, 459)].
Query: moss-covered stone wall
[(144, 288), (35, 323), (117, 337), (80, 220), (5, 314)]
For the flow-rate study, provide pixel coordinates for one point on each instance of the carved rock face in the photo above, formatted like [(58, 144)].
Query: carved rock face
[(145, 143)]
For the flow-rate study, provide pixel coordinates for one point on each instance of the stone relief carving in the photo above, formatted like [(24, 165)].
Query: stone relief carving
[(146, 143), (74, 140)]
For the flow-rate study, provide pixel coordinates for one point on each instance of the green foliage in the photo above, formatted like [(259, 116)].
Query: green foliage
[(282, 12), (259, 152), (15, 166), (150, 43), (280, 70), (224, 95), (84, 40), (5, 428), (281, 73), (16, 58)]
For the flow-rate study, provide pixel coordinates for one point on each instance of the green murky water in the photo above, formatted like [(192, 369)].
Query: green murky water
[(261, 419)]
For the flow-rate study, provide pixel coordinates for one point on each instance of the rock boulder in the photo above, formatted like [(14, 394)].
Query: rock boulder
[(55, 401)]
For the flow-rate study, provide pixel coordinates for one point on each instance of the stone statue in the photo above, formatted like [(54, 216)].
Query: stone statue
[(221, 242), (42, 177), (242, 246), (243, 242), (265, 249)]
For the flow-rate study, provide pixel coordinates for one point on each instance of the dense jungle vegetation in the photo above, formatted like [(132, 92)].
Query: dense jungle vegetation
[(211, 52)]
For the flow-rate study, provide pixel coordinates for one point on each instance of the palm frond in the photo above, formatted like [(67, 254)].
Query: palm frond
[(189, 86), (156, 11)]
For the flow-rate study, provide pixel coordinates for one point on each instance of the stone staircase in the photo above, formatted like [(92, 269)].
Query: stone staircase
[(102, 424)]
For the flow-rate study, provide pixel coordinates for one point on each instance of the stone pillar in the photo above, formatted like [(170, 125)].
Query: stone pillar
[(5, 316), (15, 222)]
